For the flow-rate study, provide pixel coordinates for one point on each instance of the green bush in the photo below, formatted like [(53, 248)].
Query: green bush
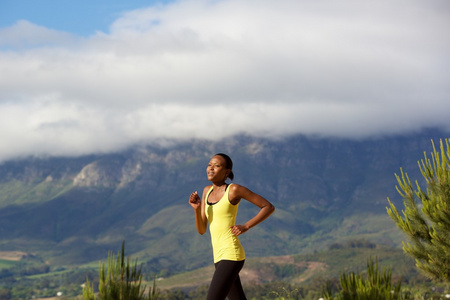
[(426, 217), (377, 285), (121, 280)]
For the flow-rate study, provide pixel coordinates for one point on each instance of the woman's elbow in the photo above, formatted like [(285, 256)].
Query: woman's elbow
[(201, 231), (268, 209)]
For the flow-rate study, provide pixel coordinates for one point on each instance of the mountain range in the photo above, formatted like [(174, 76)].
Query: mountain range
[(73, 210)]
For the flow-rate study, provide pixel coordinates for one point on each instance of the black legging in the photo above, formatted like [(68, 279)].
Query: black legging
[(226, 282)]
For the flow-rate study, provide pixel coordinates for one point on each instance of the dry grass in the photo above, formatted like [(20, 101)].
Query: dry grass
[(250, 274), (13, 255)]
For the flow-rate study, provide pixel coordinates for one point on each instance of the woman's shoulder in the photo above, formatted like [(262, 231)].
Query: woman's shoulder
[(236, 186), (237, 190), (207, 188)]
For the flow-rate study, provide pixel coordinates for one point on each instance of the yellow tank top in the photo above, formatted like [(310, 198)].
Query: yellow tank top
[(221, 216)]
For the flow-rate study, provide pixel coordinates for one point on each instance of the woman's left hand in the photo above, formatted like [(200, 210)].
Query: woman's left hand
[(238, 229)]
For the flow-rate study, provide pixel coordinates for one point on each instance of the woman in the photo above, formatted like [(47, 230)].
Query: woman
[(218, 207)]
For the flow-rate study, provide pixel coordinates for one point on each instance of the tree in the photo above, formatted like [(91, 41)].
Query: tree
[(119, 281), (426, 217)]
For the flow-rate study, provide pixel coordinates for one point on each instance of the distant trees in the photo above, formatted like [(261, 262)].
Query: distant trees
[(353, 244), (5, 294), (426, 216)]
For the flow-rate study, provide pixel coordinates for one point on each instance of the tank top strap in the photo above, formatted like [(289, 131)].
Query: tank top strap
[(225, 194)]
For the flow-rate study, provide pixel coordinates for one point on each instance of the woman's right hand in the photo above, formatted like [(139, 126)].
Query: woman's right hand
[(200, 219), (194, 200)]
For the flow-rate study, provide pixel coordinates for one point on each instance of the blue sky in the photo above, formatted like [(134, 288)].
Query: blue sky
[(83, 17), (81, 77)]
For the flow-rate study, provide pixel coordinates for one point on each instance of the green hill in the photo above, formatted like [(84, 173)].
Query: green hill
[(71, 211)]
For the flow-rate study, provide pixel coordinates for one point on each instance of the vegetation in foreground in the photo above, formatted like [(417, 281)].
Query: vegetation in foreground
[(426, 217), (121, 280), (375, 285), (292, 281)]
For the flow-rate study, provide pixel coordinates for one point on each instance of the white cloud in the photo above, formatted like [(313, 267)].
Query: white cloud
[(26, 34), (207, 69)]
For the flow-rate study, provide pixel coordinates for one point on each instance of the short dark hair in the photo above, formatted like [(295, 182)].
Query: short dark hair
[(228, 164)]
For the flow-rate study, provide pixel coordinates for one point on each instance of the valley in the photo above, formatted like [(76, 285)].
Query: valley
[(69, 212)]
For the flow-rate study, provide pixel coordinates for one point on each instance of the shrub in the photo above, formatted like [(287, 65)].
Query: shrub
[(377, 285), (121, 280)]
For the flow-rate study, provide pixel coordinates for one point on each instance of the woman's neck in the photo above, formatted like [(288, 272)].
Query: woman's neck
[(219, 185)]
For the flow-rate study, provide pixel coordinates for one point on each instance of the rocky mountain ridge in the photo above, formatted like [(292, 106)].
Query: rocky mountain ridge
[(73, 210)]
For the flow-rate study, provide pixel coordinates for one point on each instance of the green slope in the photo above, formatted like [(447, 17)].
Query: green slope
[(73, 210)]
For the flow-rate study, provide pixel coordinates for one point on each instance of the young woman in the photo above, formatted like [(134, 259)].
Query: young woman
[(218, 207)]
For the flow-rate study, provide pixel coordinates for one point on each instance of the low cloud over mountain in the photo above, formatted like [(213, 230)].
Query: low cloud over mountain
[(211, 69)]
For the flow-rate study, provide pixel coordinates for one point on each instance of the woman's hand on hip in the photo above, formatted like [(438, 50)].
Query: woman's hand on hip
[(238, 229)]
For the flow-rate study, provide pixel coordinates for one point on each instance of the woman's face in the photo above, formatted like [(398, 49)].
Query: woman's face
[(216, 170)]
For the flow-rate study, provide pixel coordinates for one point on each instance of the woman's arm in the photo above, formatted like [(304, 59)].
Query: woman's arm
[(238, 192), (199, 210)]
